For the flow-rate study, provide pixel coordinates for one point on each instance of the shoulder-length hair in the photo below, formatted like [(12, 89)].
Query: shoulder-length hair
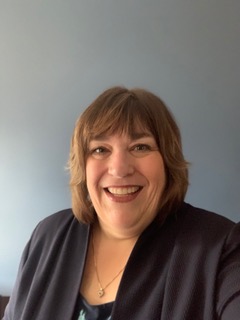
[(126, 111)]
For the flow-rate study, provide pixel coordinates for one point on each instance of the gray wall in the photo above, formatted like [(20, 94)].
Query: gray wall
[(57, 56)]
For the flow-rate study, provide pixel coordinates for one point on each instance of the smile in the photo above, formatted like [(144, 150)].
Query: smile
[(123, 191)]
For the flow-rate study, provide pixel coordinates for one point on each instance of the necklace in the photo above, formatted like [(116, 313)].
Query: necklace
[(101, 290)]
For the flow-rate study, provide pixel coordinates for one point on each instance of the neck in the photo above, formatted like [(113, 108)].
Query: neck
[(115, 235), (106, 261)]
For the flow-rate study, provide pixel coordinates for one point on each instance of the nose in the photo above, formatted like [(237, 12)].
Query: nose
[(120, 164)]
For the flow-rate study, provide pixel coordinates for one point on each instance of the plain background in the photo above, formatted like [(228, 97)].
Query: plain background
[(57, 56)]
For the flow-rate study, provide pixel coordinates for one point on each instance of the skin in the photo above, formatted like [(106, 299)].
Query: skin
[(125, 180)]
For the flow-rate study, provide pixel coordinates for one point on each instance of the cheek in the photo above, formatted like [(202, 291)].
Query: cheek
[(155, 172), (158, 183), (89, 175), (93, 174)]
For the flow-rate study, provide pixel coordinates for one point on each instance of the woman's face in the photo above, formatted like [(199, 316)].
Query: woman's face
[(125, 180)]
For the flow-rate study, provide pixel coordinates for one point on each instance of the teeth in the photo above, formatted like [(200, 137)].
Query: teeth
[(123, 191)]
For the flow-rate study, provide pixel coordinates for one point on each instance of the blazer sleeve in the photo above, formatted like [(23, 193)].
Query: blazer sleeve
[(50, 270), (228, 281), (16, 296)]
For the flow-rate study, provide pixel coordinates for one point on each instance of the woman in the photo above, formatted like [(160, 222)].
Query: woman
[(132, 249)]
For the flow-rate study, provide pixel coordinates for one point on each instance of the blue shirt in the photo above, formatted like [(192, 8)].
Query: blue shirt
[(86, 311)]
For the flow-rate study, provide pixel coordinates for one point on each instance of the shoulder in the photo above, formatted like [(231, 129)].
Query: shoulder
[(57, 219), (201, 217), (207, 226), (57, 227)]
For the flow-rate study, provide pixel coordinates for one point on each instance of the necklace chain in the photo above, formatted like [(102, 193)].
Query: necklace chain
[(101, 290)]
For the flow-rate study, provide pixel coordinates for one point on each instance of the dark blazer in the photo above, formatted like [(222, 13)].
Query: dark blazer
[(188, 268)]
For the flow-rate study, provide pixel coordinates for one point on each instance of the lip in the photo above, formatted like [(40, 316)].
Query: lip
[(123, 193)]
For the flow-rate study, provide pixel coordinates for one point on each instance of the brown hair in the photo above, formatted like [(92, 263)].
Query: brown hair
[(122, 110)]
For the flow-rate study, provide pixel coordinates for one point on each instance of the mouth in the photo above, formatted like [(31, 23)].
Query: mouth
[(123, 194), (123, 191)]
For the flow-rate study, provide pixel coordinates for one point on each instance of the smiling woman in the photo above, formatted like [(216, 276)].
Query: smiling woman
[(125, 182), (130, 247), (136, 114)]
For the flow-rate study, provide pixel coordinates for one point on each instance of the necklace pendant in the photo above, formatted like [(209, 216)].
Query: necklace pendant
[(100, 293)]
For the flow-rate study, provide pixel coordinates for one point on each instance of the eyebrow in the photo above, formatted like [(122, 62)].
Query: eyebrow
[(133, 136)]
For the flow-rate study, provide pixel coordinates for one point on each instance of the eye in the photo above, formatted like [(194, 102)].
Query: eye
[(141, 148), (99, 152)]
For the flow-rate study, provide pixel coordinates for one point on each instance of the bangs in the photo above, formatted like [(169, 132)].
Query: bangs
[(130, 112), (127, 116)]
